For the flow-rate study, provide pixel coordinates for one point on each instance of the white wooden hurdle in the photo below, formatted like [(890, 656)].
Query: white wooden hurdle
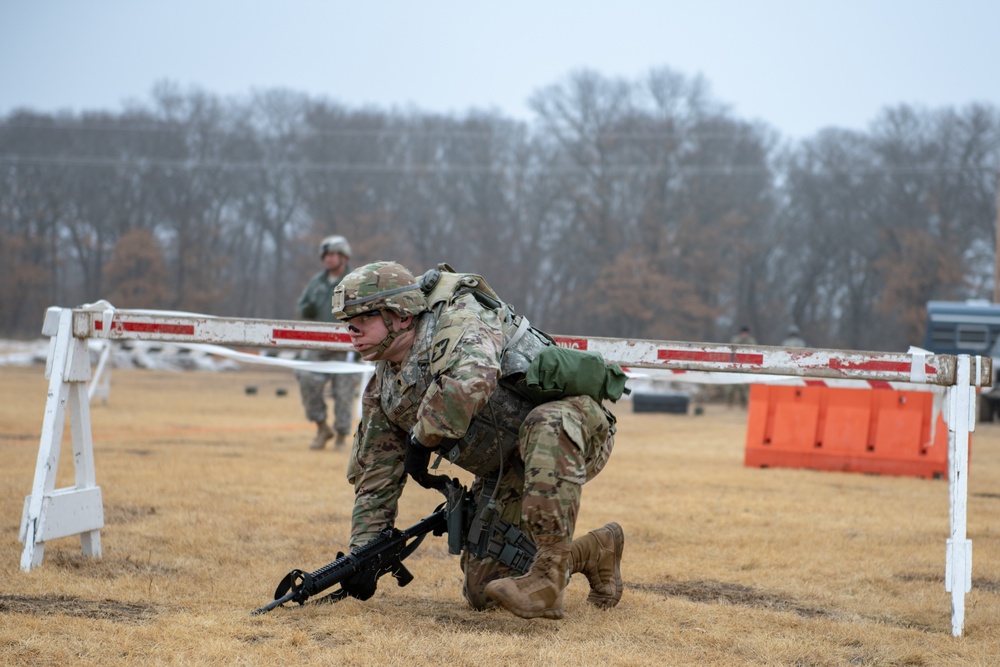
[(51, 513)]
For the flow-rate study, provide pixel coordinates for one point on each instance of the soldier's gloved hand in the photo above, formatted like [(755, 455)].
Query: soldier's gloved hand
[(415, 465), (417, 459), (361, 585)]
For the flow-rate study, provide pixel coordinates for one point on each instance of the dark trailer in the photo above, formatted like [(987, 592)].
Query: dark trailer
[(968, 327), (962, 327)]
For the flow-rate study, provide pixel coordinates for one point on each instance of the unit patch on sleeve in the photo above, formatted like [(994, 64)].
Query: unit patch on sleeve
[(440, 348)]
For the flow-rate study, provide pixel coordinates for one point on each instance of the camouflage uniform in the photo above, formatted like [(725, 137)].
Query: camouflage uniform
[(446, 379), (314, 304), (740, 391)]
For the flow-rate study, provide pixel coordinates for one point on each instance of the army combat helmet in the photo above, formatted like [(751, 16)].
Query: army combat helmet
[(380, 288), (334, 244)]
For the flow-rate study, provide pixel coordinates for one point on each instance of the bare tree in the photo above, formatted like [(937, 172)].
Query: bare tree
[(656, 174), (626, 208)]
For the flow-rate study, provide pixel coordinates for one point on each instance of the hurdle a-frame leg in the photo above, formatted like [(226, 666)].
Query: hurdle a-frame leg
[(50, 513), (961, 417)]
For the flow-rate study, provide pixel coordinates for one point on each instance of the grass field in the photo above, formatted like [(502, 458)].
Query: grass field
[(211, 496)]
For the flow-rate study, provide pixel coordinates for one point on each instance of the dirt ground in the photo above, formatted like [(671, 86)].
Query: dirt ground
[(211, 496)]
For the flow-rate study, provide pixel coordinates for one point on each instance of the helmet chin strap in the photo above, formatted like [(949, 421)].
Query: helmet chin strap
[(392, 335)]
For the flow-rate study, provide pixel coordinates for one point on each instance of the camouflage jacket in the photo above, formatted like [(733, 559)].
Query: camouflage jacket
[(316, 301), (447, 377)]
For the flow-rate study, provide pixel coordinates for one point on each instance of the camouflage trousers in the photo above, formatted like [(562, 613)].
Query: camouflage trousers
[(563, 445), (344, 387), (737, 393)]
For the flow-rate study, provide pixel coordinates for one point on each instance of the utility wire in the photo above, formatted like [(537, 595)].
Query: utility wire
[(406, 132), (432, 168)]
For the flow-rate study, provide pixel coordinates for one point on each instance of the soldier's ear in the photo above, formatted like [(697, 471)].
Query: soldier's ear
[(404, 322)]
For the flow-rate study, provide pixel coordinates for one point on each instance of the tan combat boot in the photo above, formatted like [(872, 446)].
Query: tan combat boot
[(539, 593), (598, 555), (323, 433), (341, 442)]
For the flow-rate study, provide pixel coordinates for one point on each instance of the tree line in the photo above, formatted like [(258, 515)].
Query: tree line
[(625, 208)]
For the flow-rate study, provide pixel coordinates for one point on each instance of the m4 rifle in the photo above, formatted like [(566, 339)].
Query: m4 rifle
[(358, 572)]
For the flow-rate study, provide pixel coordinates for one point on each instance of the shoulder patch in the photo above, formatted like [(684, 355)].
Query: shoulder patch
[(440, 348)]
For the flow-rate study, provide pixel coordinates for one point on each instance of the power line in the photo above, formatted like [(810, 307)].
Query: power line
[(437, 168), (165, 129), (379, 133)]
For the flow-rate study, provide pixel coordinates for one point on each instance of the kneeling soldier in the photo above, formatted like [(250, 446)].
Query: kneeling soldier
[(450, 378)]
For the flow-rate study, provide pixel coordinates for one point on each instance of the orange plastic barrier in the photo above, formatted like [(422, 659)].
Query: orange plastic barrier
[(881, 431)]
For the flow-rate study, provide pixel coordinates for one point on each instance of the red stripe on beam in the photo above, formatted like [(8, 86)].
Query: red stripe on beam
[(317, 336), (572, 343), (710, 357), (149, 327)]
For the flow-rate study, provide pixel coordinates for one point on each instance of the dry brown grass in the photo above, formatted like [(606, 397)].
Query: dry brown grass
[(211, 496)]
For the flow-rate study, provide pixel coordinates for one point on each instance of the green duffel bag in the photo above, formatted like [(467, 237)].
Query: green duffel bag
[(557, 372)]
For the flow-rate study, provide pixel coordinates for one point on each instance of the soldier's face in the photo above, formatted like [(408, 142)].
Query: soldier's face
[(334, 261), (366, 332)]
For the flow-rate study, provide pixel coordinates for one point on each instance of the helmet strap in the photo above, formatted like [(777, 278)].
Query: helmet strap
[(392, 334)]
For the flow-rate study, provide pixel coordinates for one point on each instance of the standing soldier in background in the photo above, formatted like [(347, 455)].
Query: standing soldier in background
[(740, 391), (794, 338), (314, 304)]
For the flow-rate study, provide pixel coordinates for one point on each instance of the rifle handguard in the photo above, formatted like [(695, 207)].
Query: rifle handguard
[(357, 573)]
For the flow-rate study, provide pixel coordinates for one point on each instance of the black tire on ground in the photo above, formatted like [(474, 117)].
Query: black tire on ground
[(671, 403)]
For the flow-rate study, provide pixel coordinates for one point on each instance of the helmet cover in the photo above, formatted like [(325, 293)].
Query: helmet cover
[(379, 286), (334, 244)]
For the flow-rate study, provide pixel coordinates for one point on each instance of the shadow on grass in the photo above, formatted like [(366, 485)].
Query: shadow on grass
[(66, 605), (720, 592)]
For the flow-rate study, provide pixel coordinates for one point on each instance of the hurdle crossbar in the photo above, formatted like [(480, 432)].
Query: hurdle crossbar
[(50, 513)]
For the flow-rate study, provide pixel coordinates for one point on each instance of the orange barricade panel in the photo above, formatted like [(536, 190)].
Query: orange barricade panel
[(757, 416), (846, 423), (881, 431), (794, 422), (898, 434)]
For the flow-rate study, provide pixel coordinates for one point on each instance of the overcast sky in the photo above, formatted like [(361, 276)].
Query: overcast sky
[(798, 65)]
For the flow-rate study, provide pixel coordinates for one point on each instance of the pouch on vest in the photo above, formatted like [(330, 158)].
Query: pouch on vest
[(561, 371)]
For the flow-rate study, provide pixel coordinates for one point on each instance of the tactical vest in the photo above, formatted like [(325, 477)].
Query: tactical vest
[(490, 443), (491, 440)]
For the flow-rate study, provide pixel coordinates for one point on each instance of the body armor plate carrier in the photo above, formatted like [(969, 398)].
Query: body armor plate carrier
[(490, 443)]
